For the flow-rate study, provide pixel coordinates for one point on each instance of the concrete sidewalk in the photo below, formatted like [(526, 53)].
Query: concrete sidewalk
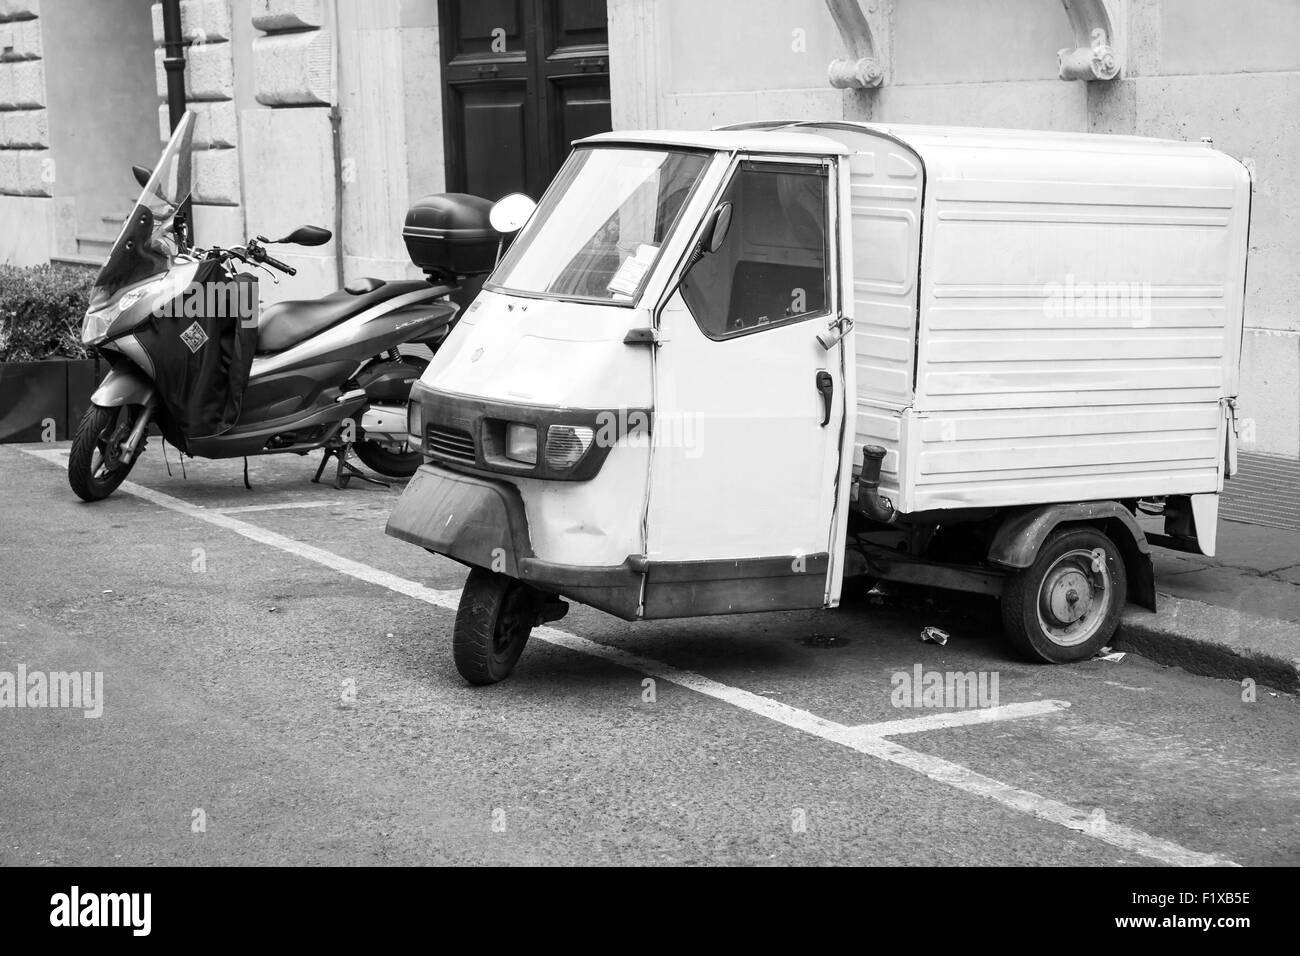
[(1236, 615)]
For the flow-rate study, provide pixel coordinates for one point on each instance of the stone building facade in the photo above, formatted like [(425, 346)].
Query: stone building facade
[(335, 112)]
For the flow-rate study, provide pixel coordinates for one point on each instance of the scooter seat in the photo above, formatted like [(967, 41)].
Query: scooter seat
[(285, 324)]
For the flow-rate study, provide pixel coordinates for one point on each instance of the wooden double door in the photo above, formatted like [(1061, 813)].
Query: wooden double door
[(522, 79)]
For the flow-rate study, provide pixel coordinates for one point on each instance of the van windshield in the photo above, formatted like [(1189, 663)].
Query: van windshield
[(601, 224)]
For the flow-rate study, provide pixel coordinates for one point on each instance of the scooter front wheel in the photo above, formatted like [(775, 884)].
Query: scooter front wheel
[(95, 468), (495, 617)]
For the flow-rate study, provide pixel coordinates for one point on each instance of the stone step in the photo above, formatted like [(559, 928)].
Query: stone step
[(95, 244), (89, 262)]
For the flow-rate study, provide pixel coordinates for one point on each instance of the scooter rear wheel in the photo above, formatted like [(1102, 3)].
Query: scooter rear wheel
[(390, 464), (94, 470), (495, 617)]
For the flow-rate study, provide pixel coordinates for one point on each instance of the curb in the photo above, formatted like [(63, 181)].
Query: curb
[(1215, 641)]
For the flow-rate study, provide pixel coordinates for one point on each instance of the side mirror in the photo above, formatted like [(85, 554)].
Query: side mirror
[(715, 234), (308, 236), (718, 229), (510, 213), (141, 174)]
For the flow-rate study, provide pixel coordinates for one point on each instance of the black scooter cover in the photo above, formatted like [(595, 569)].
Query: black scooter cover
[(202, 349)]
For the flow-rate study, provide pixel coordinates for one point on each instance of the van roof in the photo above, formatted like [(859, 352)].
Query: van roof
[(931, 143), (1030, 155), (773, 141), (920, 135)]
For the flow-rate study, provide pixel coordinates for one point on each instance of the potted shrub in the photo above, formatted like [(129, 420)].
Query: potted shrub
[(46, 378)]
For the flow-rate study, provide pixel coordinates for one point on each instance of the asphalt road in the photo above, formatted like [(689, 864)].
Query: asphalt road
[(278, 690)]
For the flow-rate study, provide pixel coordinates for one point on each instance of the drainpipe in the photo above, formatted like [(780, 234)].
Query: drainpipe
[(336, 127), (174, 64)]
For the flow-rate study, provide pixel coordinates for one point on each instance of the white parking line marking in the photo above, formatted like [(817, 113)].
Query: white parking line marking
[(935, 768), (245, 509), (960, 718)]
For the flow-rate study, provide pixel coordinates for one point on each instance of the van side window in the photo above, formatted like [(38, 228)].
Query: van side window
[(772, 267)]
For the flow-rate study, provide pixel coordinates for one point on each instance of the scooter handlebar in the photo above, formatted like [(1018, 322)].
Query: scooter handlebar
[(277, 264)]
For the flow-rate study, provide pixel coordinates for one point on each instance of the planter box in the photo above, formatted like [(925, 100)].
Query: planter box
[(34, 394)]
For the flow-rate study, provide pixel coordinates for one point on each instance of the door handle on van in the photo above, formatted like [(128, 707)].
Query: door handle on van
[(826, 386)]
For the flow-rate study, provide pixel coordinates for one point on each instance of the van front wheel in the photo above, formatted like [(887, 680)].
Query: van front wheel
[(1067, 604), (495, 617)]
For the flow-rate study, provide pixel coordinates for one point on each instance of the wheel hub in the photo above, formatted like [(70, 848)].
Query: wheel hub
[(1068, 595), (1074, 597)]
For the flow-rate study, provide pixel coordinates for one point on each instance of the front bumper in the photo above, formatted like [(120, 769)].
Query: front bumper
[(481, 522)]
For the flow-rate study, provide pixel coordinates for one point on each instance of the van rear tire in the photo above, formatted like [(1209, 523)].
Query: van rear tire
[(493, 622), (1067, 605)]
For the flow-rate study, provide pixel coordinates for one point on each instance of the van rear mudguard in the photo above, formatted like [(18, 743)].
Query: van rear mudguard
[(1022, 533)]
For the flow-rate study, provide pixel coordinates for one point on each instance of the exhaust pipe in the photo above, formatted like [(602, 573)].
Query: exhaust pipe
[(869, 499)]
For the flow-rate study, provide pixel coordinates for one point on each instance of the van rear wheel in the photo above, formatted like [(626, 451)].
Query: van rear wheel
[(1067, 605), (493, 622)]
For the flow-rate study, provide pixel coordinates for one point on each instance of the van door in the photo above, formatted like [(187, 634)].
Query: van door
[(750, 408)]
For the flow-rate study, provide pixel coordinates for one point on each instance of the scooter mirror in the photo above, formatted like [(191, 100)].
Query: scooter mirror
[(510, 213), (308, 236), (719, 227), (142, 174)]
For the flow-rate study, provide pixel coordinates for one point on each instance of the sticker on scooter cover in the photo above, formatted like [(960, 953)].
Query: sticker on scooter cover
[(194, 337)]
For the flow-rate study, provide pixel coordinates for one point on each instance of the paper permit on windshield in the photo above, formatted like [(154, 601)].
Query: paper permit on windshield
[(629, 275)]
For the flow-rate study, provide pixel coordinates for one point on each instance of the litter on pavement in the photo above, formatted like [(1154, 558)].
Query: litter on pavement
[(934, 635)]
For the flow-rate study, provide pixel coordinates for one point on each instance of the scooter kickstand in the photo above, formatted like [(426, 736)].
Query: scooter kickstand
[(345, 470), (324, 460)]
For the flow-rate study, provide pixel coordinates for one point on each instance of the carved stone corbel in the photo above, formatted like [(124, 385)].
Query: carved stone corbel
[(862, 69), (1094, 56)]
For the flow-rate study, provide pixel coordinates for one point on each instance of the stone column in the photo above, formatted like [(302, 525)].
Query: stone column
[(290, 174), (27, 170), (635, 73), (206, 26)]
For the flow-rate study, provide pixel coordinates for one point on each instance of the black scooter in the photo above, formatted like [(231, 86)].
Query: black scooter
[(180, 329)]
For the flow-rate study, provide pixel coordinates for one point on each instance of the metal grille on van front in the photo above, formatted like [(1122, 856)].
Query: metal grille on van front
[(451, 443)]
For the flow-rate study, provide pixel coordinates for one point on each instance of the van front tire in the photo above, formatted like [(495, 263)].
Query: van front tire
[(1067, 605), (493, 622)]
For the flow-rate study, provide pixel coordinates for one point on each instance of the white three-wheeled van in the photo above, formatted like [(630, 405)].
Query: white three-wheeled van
[(721, 372)]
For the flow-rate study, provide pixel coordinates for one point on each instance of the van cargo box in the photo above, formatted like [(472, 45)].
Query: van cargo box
[(448, 234), (1044, 317)]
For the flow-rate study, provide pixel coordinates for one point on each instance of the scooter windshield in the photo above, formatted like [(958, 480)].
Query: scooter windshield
[(146, 244), (600, 226)]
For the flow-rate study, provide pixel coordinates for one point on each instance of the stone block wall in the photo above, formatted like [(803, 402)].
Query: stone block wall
[(1179, 69), (206, 26), (290, 174), (27, 172), (26, 167)]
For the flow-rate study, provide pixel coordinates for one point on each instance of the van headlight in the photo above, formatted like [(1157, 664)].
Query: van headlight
[(415, 425), (521, 443), (566, 444)]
